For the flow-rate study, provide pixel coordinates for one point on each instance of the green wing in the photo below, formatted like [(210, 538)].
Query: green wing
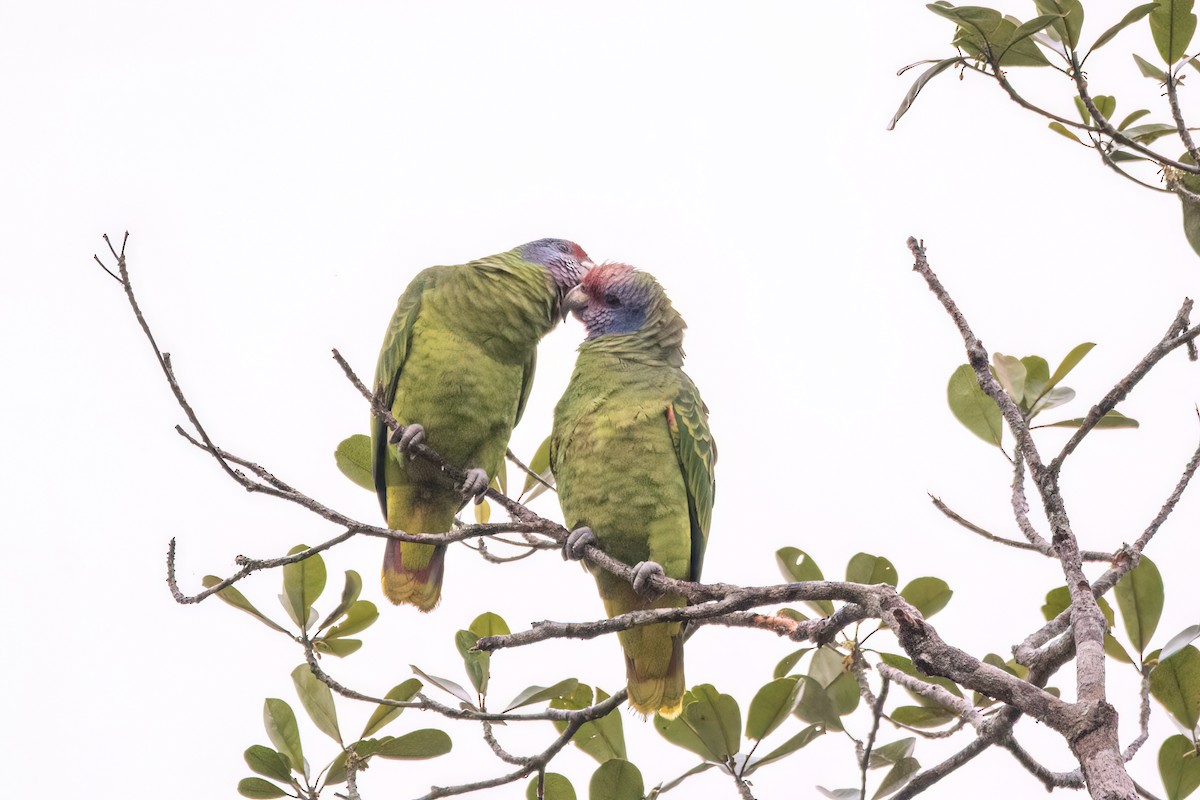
[(526, 384), (391, 363), (687, 419)]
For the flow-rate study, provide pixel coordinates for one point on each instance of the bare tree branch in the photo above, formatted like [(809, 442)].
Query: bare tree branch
[(940, 505)]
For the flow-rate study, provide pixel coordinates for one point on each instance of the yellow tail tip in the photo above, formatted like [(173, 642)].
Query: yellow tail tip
[(412, 574), (401, 589)]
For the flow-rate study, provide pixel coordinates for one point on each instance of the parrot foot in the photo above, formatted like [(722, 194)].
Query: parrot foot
[(577, 541), (644, 573), (408, 437), (475, 484)]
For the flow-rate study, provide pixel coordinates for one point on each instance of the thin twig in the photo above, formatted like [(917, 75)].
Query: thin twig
[(1020, 507), (1178, 334), (1143, 719), (1087, 555), (1177, 114), (511, 456), (876, 716), (1050, 779)]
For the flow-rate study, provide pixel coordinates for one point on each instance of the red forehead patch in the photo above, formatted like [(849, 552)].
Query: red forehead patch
[(605, 274)]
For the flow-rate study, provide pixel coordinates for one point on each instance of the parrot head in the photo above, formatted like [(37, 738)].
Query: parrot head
[(565, 261), (616, 298)]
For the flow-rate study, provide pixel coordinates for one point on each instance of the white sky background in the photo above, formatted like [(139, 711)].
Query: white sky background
[(285, 168)]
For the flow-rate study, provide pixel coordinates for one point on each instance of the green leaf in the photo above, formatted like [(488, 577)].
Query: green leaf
[(337, 647), (713, 717), (317, 701), (970, 406), (1130, 18), (1191, 217), (789, 661), (419, 744), (446, 685), (1057, 601), (1027, 29), (797, 566), (984, 30), (929, 595), (382, 714), (1081, 107), (1069, 363), (616, 779), (259, 789), (303, 583), (477, 662), (1010, 666), (844, 693), (1115, 650), (923, 716), (1037, 375), (360, 616), (350, 593), (268, 763), (280, 722), (1149, 70), (1011, 373), (827, 665), (1120, 156), (353, 457), (602, 738), (1059, 395), (1179, 767), (1175, 683), (663, 788), (489, 624), (499, 481), (1134, 117), (1068, 18), (1015, 49), (914, 90), (787, 748), (335, 773), (772, 704), (1111, 420), (840, 794), (539, 465), (238, 600), (1106, 105), (890, 754), (1172, 24), (554, 787), (1180, 641), (483, 512), (1058, 127), (898, 776), (539, 694), (869, 569), (1140, 598), (1149, 133), (816, 706)]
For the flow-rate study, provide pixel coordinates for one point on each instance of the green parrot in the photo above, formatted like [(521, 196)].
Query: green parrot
[(633, 459), (456, 368)]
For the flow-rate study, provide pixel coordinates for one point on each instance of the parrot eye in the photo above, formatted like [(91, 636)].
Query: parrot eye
[(563, 248), (612, 300)]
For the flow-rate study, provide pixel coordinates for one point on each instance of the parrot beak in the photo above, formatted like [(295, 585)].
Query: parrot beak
[(575, 302), (587, 264)]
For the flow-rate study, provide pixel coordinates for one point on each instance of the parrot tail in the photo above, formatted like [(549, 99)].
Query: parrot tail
[(653, 688), (412, 573)]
